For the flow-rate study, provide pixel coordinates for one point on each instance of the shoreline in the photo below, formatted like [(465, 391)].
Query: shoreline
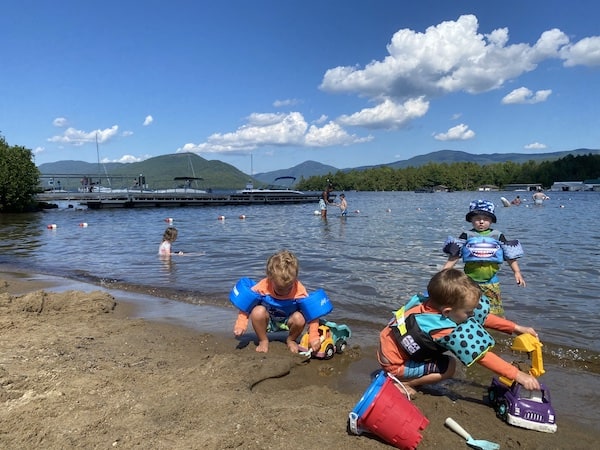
[(80, 369)]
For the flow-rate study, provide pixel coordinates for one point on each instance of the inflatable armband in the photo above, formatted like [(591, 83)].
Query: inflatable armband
[(243, 297), (469, 341), (315, 305), (512, 249)]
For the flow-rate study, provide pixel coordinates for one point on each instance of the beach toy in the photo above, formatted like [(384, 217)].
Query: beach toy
[(242, 216), (475, 443), (83, 224), (221, 218), (316, 213), (169, 220), (51, 226), (384, 410)]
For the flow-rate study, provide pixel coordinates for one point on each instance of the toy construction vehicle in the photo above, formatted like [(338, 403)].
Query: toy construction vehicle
[(519, 406), (333, 340)]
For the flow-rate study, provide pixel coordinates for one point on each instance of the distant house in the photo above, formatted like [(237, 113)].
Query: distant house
[(487, 188), (570, 186), (522, 187), (592, 185)]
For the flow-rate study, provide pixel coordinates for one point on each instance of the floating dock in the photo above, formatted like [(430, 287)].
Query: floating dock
[(132, 199)]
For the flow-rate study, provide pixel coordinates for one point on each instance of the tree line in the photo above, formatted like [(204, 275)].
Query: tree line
[(458, 176)]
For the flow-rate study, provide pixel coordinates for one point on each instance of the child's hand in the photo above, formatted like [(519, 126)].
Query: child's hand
[(238, 331), (528, 381), (520, 280), (315, 345), (521, 330)]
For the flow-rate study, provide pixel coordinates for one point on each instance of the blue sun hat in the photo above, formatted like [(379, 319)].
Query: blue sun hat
[(481, 207)]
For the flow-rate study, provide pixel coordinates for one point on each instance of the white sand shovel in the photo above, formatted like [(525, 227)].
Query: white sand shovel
[(475, 443)]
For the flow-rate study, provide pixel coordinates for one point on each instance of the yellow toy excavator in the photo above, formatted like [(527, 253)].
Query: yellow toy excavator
[(519, 406)]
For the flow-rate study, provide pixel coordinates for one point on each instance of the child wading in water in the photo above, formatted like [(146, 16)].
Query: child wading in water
[(169, 236), (482, 250), (451, 317)]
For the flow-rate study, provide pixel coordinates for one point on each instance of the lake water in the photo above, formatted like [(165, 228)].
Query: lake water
[(369, 262)]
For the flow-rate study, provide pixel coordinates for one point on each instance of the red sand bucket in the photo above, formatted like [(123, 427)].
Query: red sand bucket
[(386, 412)]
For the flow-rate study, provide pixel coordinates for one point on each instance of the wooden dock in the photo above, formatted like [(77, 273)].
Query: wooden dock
[(132, 199)]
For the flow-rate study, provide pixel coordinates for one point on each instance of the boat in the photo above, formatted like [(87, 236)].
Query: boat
[(274, 193), (183, 185)]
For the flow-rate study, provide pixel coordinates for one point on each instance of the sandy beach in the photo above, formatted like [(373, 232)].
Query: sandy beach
[(76, 371)]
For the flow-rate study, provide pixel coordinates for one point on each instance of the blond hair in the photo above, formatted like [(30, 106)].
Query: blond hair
[(452, 288), (282, 268)]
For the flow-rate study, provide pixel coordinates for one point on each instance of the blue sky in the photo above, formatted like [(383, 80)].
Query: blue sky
[(344, 83)]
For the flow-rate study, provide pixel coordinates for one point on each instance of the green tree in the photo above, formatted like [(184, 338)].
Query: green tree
[(19, 178)]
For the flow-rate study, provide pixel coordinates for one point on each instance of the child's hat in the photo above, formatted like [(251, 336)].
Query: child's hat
[(481, 207)]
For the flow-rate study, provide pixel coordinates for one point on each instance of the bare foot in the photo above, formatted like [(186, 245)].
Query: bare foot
[(263, 346), (292, 345), (238, 331)]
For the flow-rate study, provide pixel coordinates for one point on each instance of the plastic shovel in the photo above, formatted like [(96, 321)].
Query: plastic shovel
[(475, 443)]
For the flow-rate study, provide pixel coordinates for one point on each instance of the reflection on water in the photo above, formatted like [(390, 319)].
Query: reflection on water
[(369, 262)]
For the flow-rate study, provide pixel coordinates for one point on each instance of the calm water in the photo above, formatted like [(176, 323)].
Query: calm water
[(369, 263)]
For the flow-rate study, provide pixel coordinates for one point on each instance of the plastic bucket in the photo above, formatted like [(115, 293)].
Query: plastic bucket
[(386, 412)]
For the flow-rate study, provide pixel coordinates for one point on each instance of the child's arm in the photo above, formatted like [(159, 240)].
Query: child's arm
[(313, 335), (452, 260), (514, 265), (496, 364), (241, 324)]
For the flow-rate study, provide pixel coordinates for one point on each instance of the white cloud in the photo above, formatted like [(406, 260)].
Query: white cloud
[(278, 130), (458, 133), (451, 57), (71, 136), (535, 146), (387, 115), (524, 95), (127, 133), (331, 134), (59, 122), (125, 159), (585, 52), (286, 102), (148, 120), (38, 150)]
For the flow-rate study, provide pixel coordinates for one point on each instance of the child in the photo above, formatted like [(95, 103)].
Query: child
[(451, 318), (482, 250), (324, 200), (343, 205), (169, 236), (276, 306)]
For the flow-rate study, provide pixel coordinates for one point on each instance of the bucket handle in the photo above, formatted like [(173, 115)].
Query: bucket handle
[(353, 423), (396, 380)]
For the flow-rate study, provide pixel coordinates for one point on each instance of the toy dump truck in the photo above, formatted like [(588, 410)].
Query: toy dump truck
[(333, 340), (522, 407)]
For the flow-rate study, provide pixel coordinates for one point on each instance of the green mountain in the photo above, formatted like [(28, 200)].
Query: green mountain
[(305, 170), (159, 171), (453, 156)]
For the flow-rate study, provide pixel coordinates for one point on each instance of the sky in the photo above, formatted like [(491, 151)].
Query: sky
[(265, 85)]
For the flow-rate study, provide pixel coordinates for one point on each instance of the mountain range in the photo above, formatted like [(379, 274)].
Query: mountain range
[(161, 170)]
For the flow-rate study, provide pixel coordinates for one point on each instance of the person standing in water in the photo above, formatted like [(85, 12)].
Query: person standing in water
[(324, 200)]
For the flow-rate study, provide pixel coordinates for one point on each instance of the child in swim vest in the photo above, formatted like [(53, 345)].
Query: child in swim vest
[(452, 316), (282, 284), (482, 250)]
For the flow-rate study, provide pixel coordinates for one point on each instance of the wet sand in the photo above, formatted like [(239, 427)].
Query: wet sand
[(81, 370)]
